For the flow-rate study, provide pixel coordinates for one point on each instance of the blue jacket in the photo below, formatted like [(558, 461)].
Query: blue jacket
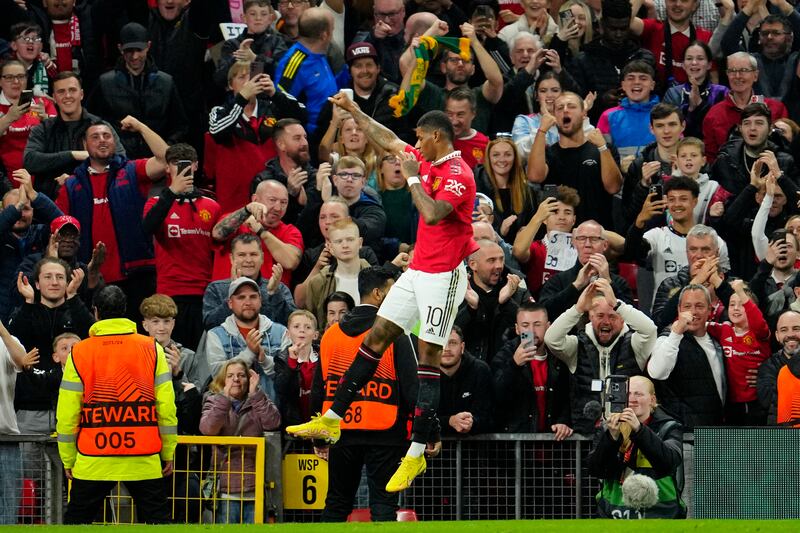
[(126, 204), (226, 342), (629, 125), (15, 249)]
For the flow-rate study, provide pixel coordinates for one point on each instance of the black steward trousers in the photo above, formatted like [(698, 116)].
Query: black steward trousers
[(86, 500)]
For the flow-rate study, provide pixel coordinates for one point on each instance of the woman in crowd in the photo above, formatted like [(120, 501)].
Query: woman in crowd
[(345, 137), (696, 96), (236, 406), (574, 29), (503, 180), (642, 439)]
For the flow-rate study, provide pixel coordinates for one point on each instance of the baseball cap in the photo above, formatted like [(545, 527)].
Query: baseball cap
[(359, 50), (63, 220), (238, 283), (133, 36)]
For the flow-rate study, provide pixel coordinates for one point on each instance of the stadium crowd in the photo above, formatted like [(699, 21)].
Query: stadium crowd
[(638, 208)]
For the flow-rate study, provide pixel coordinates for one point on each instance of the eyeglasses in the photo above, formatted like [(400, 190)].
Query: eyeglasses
[(350, 176), (773, 33), (15, 77), (387, 14), (583, 238), (738, 71), (30, 40), (457, 60), (286, 3)]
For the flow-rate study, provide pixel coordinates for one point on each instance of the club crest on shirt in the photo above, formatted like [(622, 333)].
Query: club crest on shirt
[(436, 183), (205, 215), (748, 340), (455, 187)]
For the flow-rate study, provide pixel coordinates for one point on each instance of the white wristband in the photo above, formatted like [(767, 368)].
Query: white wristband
[(602, 148), (412, 180)]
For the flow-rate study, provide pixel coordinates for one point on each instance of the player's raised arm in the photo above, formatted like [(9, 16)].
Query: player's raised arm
[(376, 132)]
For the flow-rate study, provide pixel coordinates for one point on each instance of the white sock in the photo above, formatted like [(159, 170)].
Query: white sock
[(416, 449), (330, 414)]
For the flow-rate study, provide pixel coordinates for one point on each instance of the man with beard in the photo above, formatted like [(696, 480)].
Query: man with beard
[(370, 90), (282, 243), (490, 303), (682, 31), (687, 365), (19, 236), (598, 66), (246, 260), (135, 87), (773, 384), (247, 334), (617, 340), (743, 73), (107, 194), (774, 282), (460, 106), (467, 402), (776, 60), (457, 73), (55, 147), (576, 160), (564, 289), (65, 241), (36, 324), (291, 167)]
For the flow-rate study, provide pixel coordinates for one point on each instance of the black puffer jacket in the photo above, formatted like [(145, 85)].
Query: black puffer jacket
[(730, 171), (470, 390), (151, 97), (268, 48), (515, 397)]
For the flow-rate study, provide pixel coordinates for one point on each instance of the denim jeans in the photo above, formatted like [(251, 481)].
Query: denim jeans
[(10, 482), (235, 512)]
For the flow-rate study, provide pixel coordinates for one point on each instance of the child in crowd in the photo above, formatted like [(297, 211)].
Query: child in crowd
[(689, 162), (295, 368), (745, 340)]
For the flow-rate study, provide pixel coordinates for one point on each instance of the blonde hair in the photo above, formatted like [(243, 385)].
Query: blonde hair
[(217, 385), (588, 33), (59, 338), (302, 312), (237, 68), (345, 223), (369, 157), (158, 306)]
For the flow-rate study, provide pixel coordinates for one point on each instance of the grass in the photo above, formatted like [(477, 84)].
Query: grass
[(504, 526)]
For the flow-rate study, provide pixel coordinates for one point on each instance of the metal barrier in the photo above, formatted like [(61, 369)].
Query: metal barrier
[(493, 476), (32, 478)]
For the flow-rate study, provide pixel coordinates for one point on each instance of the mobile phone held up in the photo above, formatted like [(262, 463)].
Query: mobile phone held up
[(25, 98), (658, 190), (256, 68), (182, 165), (566, 17)]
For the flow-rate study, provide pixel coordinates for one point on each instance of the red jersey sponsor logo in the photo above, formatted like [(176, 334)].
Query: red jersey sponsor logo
[(455, 187)]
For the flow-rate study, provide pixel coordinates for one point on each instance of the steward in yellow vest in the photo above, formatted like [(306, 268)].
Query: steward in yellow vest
[(116, 416)]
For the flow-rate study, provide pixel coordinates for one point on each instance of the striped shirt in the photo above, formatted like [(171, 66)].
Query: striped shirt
[(308, 77)]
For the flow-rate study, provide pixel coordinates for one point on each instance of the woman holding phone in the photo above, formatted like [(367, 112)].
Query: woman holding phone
[(574, 30), (19, 113)]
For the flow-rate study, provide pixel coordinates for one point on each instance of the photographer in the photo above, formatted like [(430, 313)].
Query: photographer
[(644, 440), (617, 340)]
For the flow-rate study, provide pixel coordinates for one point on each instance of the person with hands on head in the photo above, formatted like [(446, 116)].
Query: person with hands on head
[(180, 220), (567, 162), (564, 289), (642, 439), (687, 363), (554, 252), (531, 386), (745, 341), (443, 191), (237, 406), (93, 458), (617, 340)]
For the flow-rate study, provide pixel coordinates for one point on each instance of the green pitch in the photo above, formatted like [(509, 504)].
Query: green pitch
[(507, 526)]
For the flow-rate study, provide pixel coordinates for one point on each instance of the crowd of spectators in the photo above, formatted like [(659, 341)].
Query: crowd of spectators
[(638, 208)]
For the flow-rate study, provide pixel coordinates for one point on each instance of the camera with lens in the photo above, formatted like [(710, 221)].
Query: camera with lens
[(616, 394)]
